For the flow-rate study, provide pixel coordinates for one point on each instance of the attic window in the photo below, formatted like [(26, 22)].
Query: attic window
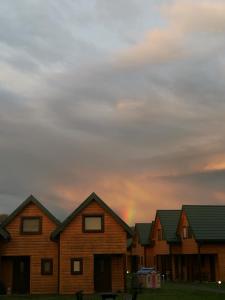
[(31, 225), (160, 235), (186, 232), (93, 223)]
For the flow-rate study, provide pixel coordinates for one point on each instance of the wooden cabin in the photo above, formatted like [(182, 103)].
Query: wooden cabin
[(202, 253), (92, 249), (165, 240), (141, 246), (28, 256)]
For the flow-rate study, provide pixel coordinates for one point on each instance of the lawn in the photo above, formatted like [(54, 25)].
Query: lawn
[(169, 291)]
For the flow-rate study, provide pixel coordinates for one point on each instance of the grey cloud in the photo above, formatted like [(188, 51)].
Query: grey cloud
[(94, 119)]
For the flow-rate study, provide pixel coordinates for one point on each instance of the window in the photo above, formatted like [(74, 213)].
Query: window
[(185, 235), (160, 235), (186, 232), (31, 225), (46, 266), (76, 266), (93, 223)]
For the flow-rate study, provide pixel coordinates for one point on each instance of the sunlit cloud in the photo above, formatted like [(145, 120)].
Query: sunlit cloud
[(177, 40)]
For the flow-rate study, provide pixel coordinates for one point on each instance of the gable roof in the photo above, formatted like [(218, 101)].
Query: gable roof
[(30, 199), (169, 220), (84, 204), (144, 232), (207, 222)]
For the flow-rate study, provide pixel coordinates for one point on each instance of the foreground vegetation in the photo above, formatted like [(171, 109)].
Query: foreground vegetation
[(168, 291)]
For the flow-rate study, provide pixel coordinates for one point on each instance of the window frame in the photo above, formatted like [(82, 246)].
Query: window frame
[(93, 230), (43, 261), (72, 260), (30, 218)]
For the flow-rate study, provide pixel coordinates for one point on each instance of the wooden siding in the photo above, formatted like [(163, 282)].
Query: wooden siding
[(36, 247), (75, 243)]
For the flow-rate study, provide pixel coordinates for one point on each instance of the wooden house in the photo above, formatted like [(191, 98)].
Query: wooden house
[(165, 240), (202, 252), (28, 256), (92, 249), (140, 246)]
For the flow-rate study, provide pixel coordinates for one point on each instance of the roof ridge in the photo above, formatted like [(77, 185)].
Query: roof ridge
[(85, 203)]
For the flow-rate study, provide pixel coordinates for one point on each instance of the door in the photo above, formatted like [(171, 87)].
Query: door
[(102, 273), (212, 263), (21, 275)]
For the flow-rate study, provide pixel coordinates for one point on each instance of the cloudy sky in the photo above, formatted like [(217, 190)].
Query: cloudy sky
[(125, 98)]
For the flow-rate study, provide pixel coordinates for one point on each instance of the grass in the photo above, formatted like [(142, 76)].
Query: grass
[(168, 291)]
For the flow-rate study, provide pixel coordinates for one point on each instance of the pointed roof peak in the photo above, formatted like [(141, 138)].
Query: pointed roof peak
[(84, 204), (27, 201)]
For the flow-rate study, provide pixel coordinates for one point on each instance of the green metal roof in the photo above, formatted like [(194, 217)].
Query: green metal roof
[(144, 232), (85, 203), (169, 220), (207, 222), (30, 199)]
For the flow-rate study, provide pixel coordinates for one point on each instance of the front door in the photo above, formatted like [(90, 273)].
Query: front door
[(102, 273), (212, 263), (21, 275)]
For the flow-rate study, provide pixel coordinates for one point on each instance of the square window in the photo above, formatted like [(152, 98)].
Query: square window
[(93, 223), (31, 225), (46, 266), (76, 266)]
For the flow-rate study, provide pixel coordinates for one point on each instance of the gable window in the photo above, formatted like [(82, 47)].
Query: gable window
[(31, 225), (76, 266), (93, 223), (160, 235), (186, 232), (46, 266)]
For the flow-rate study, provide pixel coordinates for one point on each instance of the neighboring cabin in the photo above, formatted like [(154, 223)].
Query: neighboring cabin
[(202, 251), (165, 240), (140, 247), (29, 258)]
